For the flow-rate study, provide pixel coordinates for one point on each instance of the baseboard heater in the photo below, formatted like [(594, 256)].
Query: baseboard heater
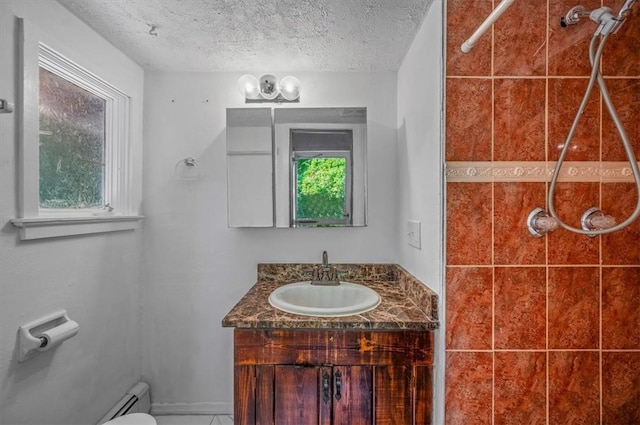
[(136, 400)]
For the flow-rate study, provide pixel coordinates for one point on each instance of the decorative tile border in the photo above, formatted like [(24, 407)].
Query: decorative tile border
[(537, 171)]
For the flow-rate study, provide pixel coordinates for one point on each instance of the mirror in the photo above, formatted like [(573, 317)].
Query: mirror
[(249, 167), (320, 161), (317, 174)]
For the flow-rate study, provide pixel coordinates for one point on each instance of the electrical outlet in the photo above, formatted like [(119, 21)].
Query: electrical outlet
[(413, 233)]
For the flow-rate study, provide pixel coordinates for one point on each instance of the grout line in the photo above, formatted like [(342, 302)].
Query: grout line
[(539, 77), (600, 330), (600, 260), (546, 192), (518, 350), (569, 266), (486, 266), (542, 350), (493, 202), (493, 339), (621, 350)]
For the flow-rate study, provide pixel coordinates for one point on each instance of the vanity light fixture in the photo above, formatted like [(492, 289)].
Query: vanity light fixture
[(269, 89)]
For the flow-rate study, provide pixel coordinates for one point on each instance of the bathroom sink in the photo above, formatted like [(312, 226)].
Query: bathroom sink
[(329, 301)]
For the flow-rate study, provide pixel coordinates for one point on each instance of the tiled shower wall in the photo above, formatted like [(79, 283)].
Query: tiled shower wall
[(539, 330)]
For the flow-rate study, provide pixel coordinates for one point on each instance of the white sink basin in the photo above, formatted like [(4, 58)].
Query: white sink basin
[(329, 301)]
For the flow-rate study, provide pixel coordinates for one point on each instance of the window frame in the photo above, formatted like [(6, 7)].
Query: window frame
[(319, 152), (35, 222), (282, 169)]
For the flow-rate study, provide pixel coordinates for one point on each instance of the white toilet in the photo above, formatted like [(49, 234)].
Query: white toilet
[(133, 419), (132, 409)]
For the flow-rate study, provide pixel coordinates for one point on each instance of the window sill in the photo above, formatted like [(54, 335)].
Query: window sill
[(55, 227)]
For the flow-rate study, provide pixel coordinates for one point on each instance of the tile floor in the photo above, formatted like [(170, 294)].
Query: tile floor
[(194, 420)]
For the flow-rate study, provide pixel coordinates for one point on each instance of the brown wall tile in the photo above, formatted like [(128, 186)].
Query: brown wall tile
[(468, 224), (571, 200), (574, 307), (565, 96), (621, 308), (574, 388), (469, 306), (620, 388), (520, 308), (513, 244), (460, 25), (519, 120), (625, 95), (469, 388), (568, 47), (621, 247), (468, 119), (521, 40), (618, 56), (520, 388)]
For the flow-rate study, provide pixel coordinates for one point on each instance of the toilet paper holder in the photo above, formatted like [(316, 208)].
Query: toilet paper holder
[(45, 333)]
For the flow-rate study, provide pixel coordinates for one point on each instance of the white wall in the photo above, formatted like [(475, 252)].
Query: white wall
[(95, 278), (420, 186), (196, 267), (419, 148), (191, 268)]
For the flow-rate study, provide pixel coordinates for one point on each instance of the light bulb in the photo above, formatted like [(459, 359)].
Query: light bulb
[(249, 86), (269, 88), (290, 87)]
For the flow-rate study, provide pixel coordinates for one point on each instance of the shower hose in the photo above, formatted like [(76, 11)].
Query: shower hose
[(594, 58)]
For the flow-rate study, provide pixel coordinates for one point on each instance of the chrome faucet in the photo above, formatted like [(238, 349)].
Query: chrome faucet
[(325, 275)]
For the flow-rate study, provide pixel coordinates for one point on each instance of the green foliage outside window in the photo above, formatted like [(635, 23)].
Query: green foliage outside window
[(321, 189), (71, 144)]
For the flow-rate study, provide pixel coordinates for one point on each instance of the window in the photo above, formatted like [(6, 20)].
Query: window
[(71, 145), (332, 137), (321, 170), (75, 174)]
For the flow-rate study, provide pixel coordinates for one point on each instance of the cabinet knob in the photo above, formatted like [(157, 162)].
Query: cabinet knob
[(338, 385), (325, 387)]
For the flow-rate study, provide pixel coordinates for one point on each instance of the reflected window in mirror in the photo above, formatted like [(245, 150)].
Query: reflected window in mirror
[(321, 177), (330, 134), (274, 162)]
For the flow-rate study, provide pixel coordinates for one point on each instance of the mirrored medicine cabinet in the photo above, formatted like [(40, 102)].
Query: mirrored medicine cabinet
[(297, 167)]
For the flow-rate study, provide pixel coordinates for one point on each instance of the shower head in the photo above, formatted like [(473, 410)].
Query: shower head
[(573, 16), (603, 16)]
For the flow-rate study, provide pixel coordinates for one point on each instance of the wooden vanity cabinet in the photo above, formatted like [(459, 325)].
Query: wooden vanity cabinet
[(332, 377)]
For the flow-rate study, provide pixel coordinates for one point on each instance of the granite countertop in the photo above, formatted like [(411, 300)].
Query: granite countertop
[(406, 304)]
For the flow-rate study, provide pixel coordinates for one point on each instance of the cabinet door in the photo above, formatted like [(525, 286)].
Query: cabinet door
[(244, 390), (423, 398), (253, 395), (403, 395), (296, 395), (352, 395), (339, 395), (393, 398)]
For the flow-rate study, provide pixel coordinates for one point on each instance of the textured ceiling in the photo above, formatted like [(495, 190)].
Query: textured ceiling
[(257, 35)]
